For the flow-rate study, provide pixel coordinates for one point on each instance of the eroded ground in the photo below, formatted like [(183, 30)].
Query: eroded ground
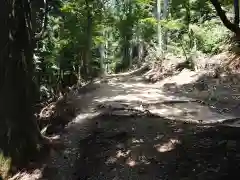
[(129, 129)]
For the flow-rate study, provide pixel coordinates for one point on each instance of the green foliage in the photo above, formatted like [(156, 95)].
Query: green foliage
[(174, 24), (206, 41), (194, 26), (5, 164), (117, 27)]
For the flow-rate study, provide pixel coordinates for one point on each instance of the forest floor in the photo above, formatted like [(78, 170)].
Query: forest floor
[(127, 128)]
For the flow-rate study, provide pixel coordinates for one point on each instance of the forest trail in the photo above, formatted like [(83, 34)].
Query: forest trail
[(127, 128)]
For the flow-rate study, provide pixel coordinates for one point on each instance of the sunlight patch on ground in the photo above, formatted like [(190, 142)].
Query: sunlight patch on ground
[(134, 141), (127, 98), (184, 77), (111, 160), (36, 174), (144, 95), (83, 116), (122, 153), (170, 145), (144, 160), (131, 162), (166, 111), (189, 112), (141, 96), (132, 85)]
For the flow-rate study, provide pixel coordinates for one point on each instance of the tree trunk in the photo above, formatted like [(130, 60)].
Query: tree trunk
[(102, 50), (187, 22), (126, 34), (102, 58), (106, 54), (165, 16), (18, 130), (88, 53), (140, 51), (130, 35), (126, 53), (236, 12), (159, 30), (220, 12)]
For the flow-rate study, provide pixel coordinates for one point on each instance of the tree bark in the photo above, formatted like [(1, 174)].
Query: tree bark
[(102, 58), (165, 16), (102, 48), (159, 30), (220, 12), (130, 34), (88, 53), (236, 12), (19, 132)]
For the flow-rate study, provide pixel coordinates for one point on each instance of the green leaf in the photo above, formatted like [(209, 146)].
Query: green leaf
[(172, 24)]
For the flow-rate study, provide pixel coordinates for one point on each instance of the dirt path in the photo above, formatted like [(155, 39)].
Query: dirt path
[(117, 136)]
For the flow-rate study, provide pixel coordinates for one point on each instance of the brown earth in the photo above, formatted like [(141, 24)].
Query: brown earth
[(126, 128)]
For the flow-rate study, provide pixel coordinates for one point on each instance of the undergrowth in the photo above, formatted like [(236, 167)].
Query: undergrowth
[(5, 164)]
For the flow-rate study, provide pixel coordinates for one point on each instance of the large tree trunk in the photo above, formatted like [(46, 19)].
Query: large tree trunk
[(88, 54), (18, 131), (221, 13), (236, 12)]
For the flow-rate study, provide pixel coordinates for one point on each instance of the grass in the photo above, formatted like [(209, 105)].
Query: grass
[(5, 164)]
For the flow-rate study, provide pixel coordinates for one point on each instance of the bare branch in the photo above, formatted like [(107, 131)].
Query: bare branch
[(223, 17)]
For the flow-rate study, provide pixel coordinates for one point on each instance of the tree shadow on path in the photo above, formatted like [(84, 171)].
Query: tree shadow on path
[(155, 148), (143, 146), (220, 93)]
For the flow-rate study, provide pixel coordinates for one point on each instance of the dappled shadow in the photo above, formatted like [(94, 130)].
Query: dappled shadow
[(155, 148), (173, 144), (157, 99), (59, 115), (220, 93)]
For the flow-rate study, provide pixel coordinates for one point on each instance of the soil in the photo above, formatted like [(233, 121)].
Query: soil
[(126, 128)]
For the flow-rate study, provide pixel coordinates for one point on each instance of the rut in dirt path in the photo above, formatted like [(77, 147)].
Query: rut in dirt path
[(129, 129)]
